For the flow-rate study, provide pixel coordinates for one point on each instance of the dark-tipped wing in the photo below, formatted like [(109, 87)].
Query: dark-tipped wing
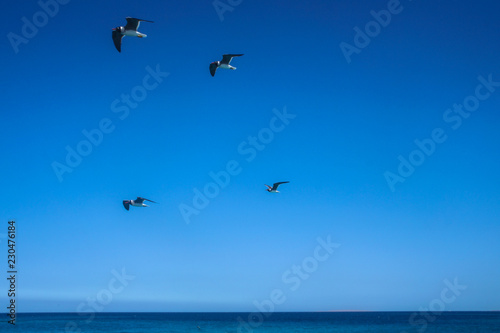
[(141, 200), (126, 204), (133, 23), (117, 39), (275, 185), (213, 68), (226, 58)]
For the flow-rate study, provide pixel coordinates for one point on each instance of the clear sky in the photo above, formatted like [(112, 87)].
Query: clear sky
[(383, 116)]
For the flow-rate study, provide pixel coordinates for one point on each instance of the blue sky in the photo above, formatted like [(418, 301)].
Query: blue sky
[(348, 124)]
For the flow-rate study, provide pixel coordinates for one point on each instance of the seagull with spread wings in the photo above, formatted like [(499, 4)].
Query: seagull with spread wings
[(139, 202), (128, 30), (274, 188), (224, 63)]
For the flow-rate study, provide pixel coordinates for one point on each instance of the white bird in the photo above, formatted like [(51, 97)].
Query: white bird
[(274, 188), (139, 202), (129, 30), (224, 63)]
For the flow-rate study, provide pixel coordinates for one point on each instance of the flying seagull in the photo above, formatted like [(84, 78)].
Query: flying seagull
[(224, 63), (139, 202), (129, 30), (274, 189)]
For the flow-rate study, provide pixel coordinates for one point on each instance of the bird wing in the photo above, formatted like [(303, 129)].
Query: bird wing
[(117, 39), (133, 23), (226, 58), (126, 204), (269, 187), (275, 185), (213, 68), (143, 199)]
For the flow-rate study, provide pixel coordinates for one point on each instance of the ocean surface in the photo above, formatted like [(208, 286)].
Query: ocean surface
[(256, 322)]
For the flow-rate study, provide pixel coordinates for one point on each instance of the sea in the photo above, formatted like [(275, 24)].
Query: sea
[(266, 322)]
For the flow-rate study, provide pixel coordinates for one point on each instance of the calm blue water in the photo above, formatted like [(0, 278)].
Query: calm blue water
[(259, 323)]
